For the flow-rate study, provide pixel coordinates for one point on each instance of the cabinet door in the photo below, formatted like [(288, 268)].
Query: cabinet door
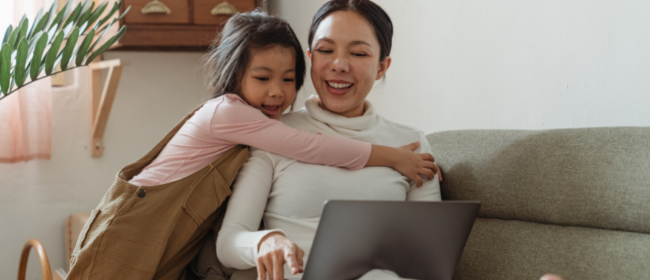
[(204, 9), (157, 10)]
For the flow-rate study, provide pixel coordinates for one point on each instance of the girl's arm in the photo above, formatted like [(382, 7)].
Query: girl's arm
[(237, 122)]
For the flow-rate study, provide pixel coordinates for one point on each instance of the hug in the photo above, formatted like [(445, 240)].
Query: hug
[(236, 189)]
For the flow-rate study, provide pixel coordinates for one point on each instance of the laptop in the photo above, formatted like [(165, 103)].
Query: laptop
[(416, 240)]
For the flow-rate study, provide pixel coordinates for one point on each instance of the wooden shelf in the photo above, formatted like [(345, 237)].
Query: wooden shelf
[(188, 28)]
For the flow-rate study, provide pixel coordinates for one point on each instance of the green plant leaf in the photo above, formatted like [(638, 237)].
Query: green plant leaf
[(8, 34), (106, 45), (35, 65), (85, 15), (116, 6), (32, 45), (13, 36), (52, 13), (60, 16), (5, 67), (37, 19), (119, 18), (83, 48), (40, 25), (52, 32), (66, 30), (69, 48), (21, 62), (101, 36), (96, 14), (52, 53), (85, 6), (24, 25), (73, 17)]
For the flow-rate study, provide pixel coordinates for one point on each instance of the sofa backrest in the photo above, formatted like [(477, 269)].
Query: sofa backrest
[(551, 201)]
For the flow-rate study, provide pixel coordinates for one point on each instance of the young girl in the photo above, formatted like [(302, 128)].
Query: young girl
[(151, 222)]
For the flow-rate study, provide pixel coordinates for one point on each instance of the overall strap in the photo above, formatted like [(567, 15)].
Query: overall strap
[(135, 168)]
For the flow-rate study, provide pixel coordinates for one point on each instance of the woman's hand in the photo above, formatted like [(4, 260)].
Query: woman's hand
[(405, 161), (274, 250), (413, 165)]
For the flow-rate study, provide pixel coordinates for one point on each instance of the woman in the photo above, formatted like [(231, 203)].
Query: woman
[(349, 44)]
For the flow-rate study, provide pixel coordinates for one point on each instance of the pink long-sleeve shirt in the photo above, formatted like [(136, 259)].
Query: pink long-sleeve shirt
[(227, 121)]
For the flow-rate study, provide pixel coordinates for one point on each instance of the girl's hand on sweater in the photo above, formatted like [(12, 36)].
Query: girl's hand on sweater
[(273, 251), (413, 165), (405, 161)]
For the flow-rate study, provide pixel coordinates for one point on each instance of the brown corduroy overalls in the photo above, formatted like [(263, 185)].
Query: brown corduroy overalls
[(153, 232)]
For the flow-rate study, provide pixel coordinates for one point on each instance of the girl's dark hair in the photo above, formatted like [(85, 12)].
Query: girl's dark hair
[(229, 54), (375, 15)]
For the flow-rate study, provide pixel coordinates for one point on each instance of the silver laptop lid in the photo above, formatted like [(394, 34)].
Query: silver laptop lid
[(418, 240)]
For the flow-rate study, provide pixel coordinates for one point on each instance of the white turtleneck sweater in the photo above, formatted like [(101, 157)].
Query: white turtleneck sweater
[(289, 195)]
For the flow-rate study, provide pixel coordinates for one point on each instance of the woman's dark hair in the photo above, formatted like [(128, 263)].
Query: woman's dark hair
[(375, 15), (229, 54)]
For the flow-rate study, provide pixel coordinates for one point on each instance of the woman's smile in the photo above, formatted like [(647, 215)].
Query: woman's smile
[(338, 87)]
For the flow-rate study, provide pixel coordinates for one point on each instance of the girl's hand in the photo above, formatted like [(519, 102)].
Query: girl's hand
[(405, 161), (274, 250), (413, 165)]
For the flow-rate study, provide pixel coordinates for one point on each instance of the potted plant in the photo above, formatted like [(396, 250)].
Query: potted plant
[(52, 39)]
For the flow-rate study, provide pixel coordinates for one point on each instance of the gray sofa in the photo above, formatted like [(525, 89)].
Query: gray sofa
[(575, 202)]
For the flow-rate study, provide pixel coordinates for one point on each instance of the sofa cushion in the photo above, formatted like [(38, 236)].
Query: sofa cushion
[(594, 177), (515, 250)]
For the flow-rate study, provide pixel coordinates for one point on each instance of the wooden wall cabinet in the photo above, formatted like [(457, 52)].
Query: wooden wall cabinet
[(177, 25)]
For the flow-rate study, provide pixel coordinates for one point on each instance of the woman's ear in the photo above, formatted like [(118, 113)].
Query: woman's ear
[(383, 67)]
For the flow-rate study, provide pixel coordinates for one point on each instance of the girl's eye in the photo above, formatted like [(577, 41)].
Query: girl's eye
[(324, 51), (289, 80), (359, 54), (262, 78)]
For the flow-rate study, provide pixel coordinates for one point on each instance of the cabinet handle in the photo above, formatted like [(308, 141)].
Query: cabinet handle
[(224, 9), (155, 7)]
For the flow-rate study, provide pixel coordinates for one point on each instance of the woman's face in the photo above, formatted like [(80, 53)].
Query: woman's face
[(345, 62)]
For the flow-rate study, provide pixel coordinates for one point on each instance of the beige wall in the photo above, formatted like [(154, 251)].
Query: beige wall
[(508, 64), (156, 91)]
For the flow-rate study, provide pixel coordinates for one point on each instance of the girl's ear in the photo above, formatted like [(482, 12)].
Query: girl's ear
[(383, 67), (309, 54)]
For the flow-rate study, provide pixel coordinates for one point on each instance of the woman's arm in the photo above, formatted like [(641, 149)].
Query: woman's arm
[(237, 122), (239, 235), (239, 243)]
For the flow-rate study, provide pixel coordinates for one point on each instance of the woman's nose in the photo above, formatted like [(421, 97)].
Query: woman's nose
[(340, 64)]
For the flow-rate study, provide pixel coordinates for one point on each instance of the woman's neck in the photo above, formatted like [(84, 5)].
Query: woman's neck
[(354, 113)]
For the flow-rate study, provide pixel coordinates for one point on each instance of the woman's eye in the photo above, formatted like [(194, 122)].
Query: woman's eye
[(324, 51), (262, 78), (359, 54)]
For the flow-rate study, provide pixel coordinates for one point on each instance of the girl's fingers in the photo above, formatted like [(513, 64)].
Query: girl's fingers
[(278, 265), (418, 181), (431, 166), (427, 157), (413, 146), (427, 172)]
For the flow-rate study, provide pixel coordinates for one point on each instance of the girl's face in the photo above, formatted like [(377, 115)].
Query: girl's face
[(269, 81), (345, 62)]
